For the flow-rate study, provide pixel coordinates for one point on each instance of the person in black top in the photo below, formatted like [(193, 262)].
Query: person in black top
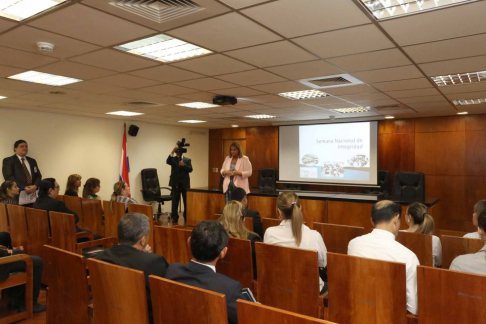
[(8, 191), (72, 186), (134, 252), (239, 194), (179, 180)]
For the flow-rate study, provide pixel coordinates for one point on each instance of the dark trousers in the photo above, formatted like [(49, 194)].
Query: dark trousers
[(176, 197), (18, 293)]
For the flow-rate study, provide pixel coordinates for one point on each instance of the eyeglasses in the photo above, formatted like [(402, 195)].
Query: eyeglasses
[(58, 187)]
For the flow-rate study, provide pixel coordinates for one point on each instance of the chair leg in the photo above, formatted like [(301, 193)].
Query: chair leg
[(159, 211)]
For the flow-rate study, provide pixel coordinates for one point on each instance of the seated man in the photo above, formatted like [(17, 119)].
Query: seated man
[(239, 194), (208, 244), (380, 244), (134, 252), (474, 262)]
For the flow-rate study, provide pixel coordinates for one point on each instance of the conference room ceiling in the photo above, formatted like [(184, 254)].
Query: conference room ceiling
[(259, 49)]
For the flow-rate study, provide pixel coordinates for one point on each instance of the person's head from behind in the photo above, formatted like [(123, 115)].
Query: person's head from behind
[(235, 150), (49, 188), (134, 230), (91, 187), (21, 148), (232, 220), (416, 214), (120, 188), (73, 182), (288, 208), (478, 208), (239, 194), (482, 225), (208, 241), (385, 215), (9, 189)]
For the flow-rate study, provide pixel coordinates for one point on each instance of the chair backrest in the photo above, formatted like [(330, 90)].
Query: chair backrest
[(448, 297), (211, 306), (270, 222), (288, 278), (409, 186), (68, 296), (171, 242), (267, 179), (337, 237), (119, 294), (60, 198), (93, 215), (254, 313), (38, 229), (150, 181), (74, 203), (63, 231), (3, 218), (420, 244), (384, 181), (112, 217), (249, 223), (453, 246), (238, 263), (365, 290), (148, 211), (18, 226)]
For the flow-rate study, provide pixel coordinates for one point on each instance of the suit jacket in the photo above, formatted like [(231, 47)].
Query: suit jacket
[(257, 220), (49, 204), (12, 169), (201, 276), (178, 173), (244, 166)]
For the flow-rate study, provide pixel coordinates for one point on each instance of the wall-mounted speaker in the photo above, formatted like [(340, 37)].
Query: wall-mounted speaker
[(133, 130)]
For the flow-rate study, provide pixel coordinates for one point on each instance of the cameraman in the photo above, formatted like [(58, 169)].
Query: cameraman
[(179, 180)]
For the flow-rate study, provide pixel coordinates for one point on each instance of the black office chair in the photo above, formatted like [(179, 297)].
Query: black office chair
[(383, 182), (267, 179), (151, 189), (409, 186)]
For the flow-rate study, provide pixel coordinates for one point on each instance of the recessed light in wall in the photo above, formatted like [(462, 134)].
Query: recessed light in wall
[(43, 78), (462, 113), (464, 102), (383, 9), (389, 117), (351, 110), (192, 121), (125, 113), (163, 48), (197, 105), (234, 126), (262, 116), (2, 97), (305, 94), (21, 9), (458, 79)]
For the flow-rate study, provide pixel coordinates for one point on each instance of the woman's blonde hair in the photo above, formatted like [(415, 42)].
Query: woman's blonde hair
[(418, 212), (288, 203), (117, 189), (232, 220), (480, 206), (238, 147), (70, 182)]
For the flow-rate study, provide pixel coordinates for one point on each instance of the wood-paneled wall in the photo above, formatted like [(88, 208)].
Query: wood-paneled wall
[(451, 151)]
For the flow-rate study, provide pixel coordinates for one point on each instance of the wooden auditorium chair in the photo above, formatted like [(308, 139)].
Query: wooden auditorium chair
[(337, 237), (420, 244), (3, 218), (238, 263), (18, 227), (270, 222), (171, 242), (112, 217), (176, 303), (148, 211), (74, 204), (453, 246), (60, 197), (249, 224), (93, 215)]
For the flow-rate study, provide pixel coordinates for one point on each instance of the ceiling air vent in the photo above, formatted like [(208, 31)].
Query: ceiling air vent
[(140, 103), (390, 107), (159, 11), (330, 81)]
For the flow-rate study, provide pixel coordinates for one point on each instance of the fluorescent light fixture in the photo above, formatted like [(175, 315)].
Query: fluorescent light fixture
[(125, 113), (192, 121), (263, 116), (457, 79), (462, 113), (21, 9), (464, 102), (383, 9), (43, 78), (163, 48), (306, 94), (389, 117), (234, 126), (197, 105), (352, 110), (2, 97)]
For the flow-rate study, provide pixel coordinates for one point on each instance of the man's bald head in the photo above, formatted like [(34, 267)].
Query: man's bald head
[(384, 211)]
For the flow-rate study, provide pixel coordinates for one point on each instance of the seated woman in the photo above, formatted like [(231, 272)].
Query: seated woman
[(91, 189), (420, 222), (480, 206), (474, 262), (293, 233), (8, 191), (73, 184), (232, 221), (121, 193)]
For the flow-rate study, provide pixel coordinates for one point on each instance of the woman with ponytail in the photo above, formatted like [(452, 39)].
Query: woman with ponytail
[(420, 222), (293, 233)]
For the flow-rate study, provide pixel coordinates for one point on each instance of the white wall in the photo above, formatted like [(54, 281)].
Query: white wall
[(91, 147)]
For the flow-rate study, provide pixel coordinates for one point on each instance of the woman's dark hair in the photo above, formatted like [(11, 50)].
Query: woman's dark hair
[(89, 187), (482, 220), (3, 189), (418, 212), (71, 181), (237, 146)]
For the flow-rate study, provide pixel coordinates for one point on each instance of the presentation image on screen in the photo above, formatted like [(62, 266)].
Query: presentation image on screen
[(329, 153)]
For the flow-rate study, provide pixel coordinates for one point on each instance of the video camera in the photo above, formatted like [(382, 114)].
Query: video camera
[(181, 145)]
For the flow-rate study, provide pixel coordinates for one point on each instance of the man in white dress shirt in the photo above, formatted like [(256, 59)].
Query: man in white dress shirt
[(380, 244)]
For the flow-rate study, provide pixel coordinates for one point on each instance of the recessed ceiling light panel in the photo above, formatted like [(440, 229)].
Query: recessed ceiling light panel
[(21, 9), (462, 113), (306, 94), (44, 78), (458, 79), (262, 116), (163, 48), (383, 9), (389, 117), (352, 110), (125, 113), (191, 121), (2, 97), (464, 102), (197, 105)]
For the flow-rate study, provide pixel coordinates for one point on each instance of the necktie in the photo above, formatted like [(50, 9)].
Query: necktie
[(27, 173)]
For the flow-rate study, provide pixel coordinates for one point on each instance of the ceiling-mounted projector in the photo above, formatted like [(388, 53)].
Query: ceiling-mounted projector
[(224, 100)]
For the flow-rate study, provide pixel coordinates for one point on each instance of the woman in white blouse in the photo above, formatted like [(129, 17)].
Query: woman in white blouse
[(480, 206), (293, 233), (420, 222)]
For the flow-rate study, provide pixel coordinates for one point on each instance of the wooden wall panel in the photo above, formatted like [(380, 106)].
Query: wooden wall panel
[(450, 153), (262, 153), (266, 206), (475, 153), (215, 161)]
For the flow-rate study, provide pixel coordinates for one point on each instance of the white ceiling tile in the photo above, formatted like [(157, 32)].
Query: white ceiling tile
[(94, 87), (168, 90), (436, 104), (470, 87), (114, 60), (75, 70), (6, 71), (265, 98), (413, 93), (371, 60), (238, 4), (165, 73), (206, 84), (418, 83), (43, 97), (11, 93), (90, 25), (224, 33), (463, 65), (345, 41), (425, 99), (305, 70), (25, 86), (467, 95), (239, 92), (126, 81), (280, 87), (214, 65), (350, 90), (252, 77), (6, 24), (365, 96), (389, 74), (197, 96), (295, 18), (23, 60)]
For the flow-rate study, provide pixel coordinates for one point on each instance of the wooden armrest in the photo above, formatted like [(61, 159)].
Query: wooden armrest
[(412, 319), (90, 311), (105, 242), (17, 257), (85, 234), (3, 247), (323, 306)]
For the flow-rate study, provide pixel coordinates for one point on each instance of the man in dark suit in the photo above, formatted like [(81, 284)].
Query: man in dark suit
[(133, 250), (239, 194), (179, 180), (208, 244), (21, 168)]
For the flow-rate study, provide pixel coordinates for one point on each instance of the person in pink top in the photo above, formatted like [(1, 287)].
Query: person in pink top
[(236, 170)]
